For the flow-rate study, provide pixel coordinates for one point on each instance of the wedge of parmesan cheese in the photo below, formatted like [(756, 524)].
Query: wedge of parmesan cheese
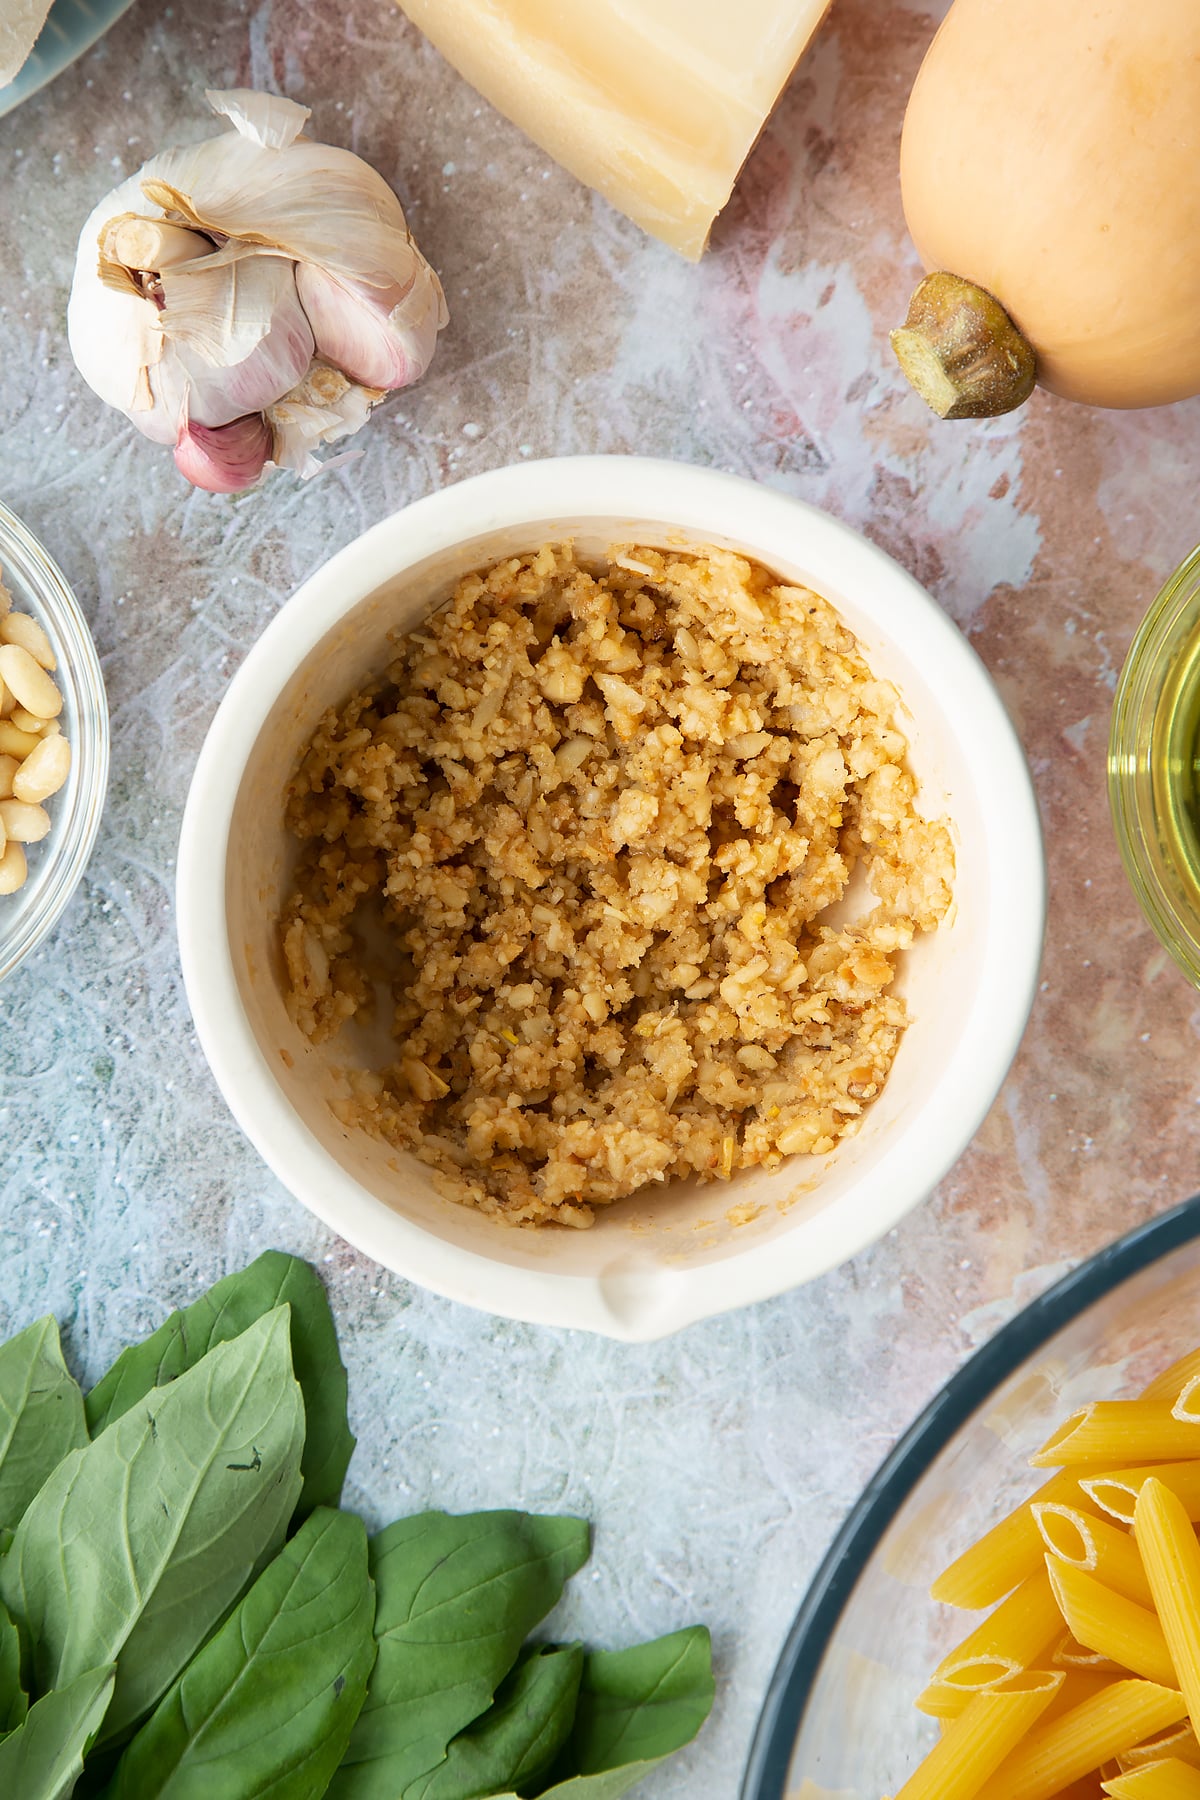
[(20, 23), (655, 103)]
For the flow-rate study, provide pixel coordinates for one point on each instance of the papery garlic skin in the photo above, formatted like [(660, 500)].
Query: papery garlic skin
[(279, 261)]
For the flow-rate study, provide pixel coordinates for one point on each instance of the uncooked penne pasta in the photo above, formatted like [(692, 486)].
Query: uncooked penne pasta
[(1179, 1741), (1172, 1558), (1097, 1547), (1069, 1653), (1116, 1492), (947, 1701), (1007, 1554), (1020, 1631), (976, 1744), (1080, 1685), (1169, 1779), (1055, 1755), (1120, 1431), (1171, 1383), (1113, 1626)]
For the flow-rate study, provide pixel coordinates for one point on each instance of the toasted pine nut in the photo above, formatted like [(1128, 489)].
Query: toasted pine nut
[(23, 823), (19, 628), (27, 721), (8, 768), (13, 869), (29, 682), (7, 700), (42, 773), (15, 742)]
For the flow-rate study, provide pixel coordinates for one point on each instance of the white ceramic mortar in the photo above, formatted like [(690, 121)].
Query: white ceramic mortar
[(666, 1257)]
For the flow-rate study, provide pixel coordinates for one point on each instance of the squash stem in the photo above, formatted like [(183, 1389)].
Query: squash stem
[(961, 351)]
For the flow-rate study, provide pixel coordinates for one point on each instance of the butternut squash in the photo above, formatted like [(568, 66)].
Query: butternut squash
[(1050, 168)]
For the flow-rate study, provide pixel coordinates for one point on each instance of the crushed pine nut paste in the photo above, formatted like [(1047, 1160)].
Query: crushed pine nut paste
[(601, 812)]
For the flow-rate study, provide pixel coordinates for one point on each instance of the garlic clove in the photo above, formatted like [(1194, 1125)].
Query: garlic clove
[(237, 339), (382, 337), (224, 459)]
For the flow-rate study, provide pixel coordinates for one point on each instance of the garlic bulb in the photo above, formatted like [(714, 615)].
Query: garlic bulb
[(252, 297)]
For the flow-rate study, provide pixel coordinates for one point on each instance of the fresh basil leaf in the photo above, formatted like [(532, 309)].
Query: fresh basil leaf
[(454, 1600), (639, 1704), (224, 1312), (267, 1706), (14, 1703), (139, 1544), (517, 1740), (43, 1758), (41, 1415), (610, 1785), (636, 1707)]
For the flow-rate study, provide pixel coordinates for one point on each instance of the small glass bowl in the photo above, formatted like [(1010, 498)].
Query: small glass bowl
[(839, 1719), (1153, 770), (38, 587)]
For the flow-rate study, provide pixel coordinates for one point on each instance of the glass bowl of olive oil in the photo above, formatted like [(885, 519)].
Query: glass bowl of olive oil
[(1154, 766)]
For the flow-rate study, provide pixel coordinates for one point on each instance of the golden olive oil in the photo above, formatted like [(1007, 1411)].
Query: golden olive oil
[(1175, 765)]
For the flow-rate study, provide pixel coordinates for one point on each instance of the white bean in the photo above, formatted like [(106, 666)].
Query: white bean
[(42, 773), (19, 628), (13, 869), (23, 823), (8, 768), (29, 682)]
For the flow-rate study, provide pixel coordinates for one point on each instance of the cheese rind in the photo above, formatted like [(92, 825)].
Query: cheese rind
[(654, 103)]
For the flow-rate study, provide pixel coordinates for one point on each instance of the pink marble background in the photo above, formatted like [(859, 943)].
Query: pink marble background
[(716, 1465)]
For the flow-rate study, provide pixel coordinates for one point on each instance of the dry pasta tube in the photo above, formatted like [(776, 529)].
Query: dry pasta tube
[(1069, 1653), (1172, 1558), (1116, 1493), (1097, 1547), (1178, 1741), (1054, 1756), (1081, 1680), (1007, 1554), (1171, 1383), (1120, 1431), (1106, 1622), (977, 1744), (1016, 1636), (1169, 1779), (1020, 1630), (1079, 1685), (949, 1700)]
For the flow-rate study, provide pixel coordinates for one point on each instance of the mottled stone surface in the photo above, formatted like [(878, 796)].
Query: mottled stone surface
[(717, 1465)]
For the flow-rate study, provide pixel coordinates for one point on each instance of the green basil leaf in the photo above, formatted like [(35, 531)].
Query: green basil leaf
[(14, 1703), (517, 1740), (43, 1758), (455, 1599), (267, 1706), (636, 1708), (640, 1704), (41, 1415), (224, 1312), (138, 1545)]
